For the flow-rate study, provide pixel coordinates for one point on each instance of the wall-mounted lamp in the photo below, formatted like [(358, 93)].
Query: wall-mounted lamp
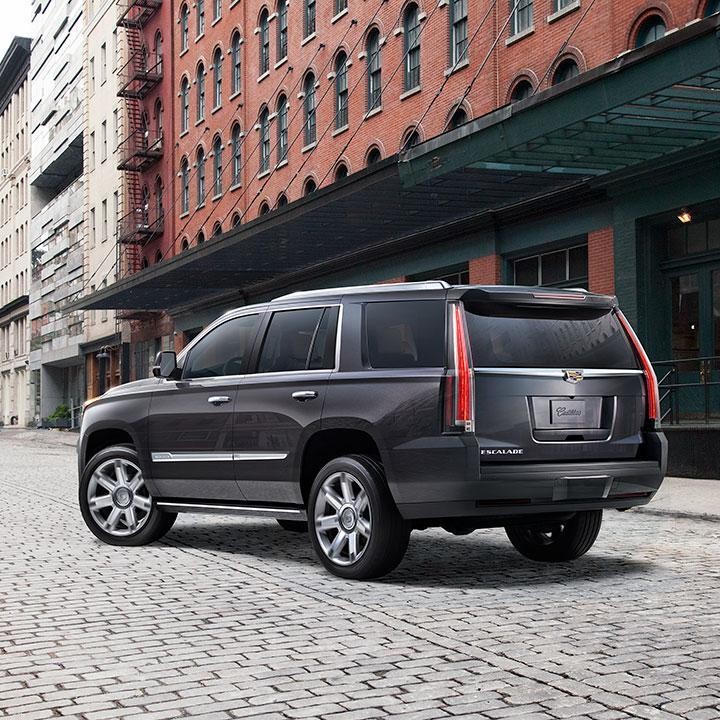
[(684, 216)]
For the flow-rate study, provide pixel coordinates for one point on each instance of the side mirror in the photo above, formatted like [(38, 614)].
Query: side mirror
[(165, 365)]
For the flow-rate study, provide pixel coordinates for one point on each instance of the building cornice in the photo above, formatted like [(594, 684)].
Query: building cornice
[(14, 69)]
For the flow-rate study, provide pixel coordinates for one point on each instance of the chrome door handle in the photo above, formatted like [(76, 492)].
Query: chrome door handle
[(304, 395), (218, 399)]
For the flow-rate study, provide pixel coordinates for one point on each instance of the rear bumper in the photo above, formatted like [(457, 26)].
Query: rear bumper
[(508, 490)]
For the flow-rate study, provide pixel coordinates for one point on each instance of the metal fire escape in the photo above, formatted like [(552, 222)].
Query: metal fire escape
[(141, 144)]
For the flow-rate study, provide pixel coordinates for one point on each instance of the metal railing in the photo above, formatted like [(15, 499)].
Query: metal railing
[(689, 390)]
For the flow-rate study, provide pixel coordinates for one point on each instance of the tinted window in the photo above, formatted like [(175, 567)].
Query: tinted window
[(323, 353), (288, 340), (405, 333), (547, 339), (224, 350)]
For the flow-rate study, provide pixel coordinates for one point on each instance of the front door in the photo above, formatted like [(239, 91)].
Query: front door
[(279, 405), (191, 420)]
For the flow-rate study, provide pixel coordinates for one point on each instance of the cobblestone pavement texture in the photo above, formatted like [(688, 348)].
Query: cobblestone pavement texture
[(233, 618)]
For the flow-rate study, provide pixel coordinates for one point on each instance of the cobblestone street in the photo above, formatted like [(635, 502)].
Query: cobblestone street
[(234, 618)]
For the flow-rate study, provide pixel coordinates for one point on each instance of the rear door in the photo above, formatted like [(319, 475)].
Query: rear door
[(554, 383)]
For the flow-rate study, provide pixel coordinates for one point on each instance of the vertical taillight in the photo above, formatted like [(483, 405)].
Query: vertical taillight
[(460, 381), (652, 391)]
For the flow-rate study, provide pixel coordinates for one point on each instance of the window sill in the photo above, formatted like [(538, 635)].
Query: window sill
[(337, 17), (340, 130), (234, 187), (457, 67), (263, 76), (216, 21), (235, 94), (519, 36), (412, 91), (185, 214), (217, 197), (184, 52), (263, 174), (199, 121), (215, 109), (308, 39), (280, 62), (200, 37), (184, 133), (563, 12), (234, 3), (309, 147), (200, 206), (281, 164), (372, 112)]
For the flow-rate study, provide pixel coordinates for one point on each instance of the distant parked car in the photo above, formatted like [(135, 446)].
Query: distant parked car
[(367, 412)]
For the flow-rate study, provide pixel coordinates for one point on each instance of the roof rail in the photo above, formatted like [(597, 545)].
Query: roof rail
[(361, 289)]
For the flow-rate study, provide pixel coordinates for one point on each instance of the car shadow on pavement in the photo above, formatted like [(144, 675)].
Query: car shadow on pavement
[(433, 558)]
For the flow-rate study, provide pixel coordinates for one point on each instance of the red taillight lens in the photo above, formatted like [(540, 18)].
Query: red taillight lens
[(460, 383), (652, 390)]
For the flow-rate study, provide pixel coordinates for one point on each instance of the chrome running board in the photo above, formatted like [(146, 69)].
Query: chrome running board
[(281, 513)]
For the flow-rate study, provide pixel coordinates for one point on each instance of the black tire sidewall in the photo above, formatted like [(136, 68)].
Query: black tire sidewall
[(157, 524)]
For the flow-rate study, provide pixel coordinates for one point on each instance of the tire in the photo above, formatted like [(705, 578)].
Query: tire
[(354, 491), (557, 542), (108, 502), (296, 526)]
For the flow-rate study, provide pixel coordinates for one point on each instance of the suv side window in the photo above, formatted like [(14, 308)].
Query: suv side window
[(224, 350), (299, 340), (405, 334)]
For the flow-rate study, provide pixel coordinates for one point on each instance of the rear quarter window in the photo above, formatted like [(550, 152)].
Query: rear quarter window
[(547, 338), (405, 334)]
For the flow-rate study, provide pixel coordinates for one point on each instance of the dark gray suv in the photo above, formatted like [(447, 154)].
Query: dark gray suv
[(359, 414)]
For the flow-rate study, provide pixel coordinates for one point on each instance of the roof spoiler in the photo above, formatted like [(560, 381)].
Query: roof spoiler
[(547, 297)]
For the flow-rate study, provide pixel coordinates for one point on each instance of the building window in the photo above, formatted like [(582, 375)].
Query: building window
[(309, 187), (453, 275), (712, 7), (217, 230), (159, 210), (200, 238), (341, 91), (458, 31), (309, 17), (522, 16), (282, 200), (521, 91), (412, 138), (374, 156), (200, 177), (235, 220), (158, 53), (185, 245), (566, 70), (411, 31), (374, 62), (236, 155), (562, 4), (282, 128), (340, 5), (200, 95), (458, 118), (217, 77), (309, 106), (235, 58), (264, 42), (200, 17), (651, 29), (217, 165), (158, 257), (185, 183), (264, 140), (568, 266), (282, 31), (264, 208), (341, 171), (184, 27), (217, 9), (158, 121), (694, 237), (184, 105)]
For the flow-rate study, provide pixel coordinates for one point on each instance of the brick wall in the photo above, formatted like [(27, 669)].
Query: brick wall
[(601, 261), (486, 270)]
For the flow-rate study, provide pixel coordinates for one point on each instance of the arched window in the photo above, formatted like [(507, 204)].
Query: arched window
[(412, 138), (184, 27), (200, 94), (459, 117), (566, 70), (651, 29), (264, 42), (217, 9), (200, 238), (309, 108), (264, 140), (185, 183), (158, 52), (158, 121), (309, 25), (341, 91), (217, 166), (217, 230), (712, 7), (185, 245), (264, 208), (309, 187), (282, 128), (236, 155), (282, 29), (217, 77), (159, 210), (235, 59), (184, 105), (522, 91), (341, 171), (200, 177), (200, 17), (282, 200), (458, 31), (235, 220), (374, 64), (374, 156), (411, 34)]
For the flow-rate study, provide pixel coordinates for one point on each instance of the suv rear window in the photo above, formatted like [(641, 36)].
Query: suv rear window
[(506, 336), (405, 334)]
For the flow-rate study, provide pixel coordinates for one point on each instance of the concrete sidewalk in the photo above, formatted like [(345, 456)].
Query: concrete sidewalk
[(686, 497)]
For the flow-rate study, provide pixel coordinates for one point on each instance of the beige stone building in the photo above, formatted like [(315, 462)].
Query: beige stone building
[(14, 233)]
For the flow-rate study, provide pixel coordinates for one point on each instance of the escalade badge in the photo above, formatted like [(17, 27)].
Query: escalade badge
[(572, 376)]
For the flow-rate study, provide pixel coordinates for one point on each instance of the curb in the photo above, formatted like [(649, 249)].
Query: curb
[(707, 517)]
